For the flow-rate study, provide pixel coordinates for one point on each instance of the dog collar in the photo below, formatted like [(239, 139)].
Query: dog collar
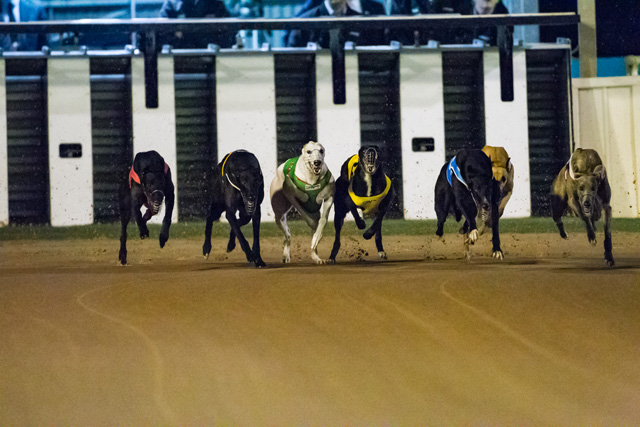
[(453, 169), (134, 176), (224, 162)]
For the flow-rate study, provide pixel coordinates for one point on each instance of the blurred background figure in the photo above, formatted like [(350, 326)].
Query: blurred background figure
[(197, 9), (23, 11), (468, 7), (300, 38)]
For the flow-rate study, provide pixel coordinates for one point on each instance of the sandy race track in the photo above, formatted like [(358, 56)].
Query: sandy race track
[(547, 336)]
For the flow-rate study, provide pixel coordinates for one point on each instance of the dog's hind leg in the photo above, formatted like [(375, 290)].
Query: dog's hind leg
[(125, 216), (169, 201), (338, 221), (558, 206), (281, 208), (443, 202), (470, 211), (214, 214), (608, 255)]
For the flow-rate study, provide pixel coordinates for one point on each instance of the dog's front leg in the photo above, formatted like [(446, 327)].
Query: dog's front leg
[(608, 255), (140, 221), (317, 236), (470, 211), (256, 237), (235, 227), (169, 200)]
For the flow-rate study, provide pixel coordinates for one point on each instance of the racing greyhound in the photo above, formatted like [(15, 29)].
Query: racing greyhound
[(582, 188), (362, 185), (503, 173), (305, 184), (464, 187), (237, 186), (149, 184)]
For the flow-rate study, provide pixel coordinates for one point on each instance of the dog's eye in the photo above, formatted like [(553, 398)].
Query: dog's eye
[(308, 151), (321, 151)]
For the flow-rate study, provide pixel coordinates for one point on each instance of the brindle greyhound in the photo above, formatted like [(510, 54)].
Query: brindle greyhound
[(503, 173), (582, 188), (362, 185), (465, 186), (149, 183), (237, 186), (305, 184)]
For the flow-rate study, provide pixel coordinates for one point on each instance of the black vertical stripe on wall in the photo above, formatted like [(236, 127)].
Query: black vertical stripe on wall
[(379, 81), (111, 132), (27, 140), (196, 132), (463, 91)]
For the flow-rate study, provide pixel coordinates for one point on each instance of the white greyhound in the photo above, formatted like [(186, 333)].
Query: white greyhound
[(306, 184)]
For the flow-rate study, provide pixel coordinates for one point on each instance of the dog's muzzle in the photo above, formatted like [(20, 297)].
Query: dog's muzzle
[(155, 203), (587, 206), (317, 166), (250, 206)]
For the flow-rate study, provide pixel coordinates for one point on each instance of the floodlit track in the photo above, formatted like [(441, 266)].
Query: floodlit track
[(548, 336)]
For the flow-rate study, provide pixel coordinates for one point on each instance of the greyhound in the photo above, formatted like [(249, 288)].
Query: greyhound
[(465, 186), (362, 185), (149, 183), (582, 188), (305, 184), (237, 186), (503, 172)]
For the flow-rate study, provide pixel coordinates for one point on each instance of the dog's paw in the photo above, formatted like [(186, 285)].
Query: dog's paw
[(206, 250), (609, 261), (231, 245), (286, 259), (473, 236), (498, 254), (564, 235), (441, 239), (122, 256), (593, 241), (382, 255), (331, 261), (163, 239), (260, 263), (360, 223), (369, 234), (144, 233)]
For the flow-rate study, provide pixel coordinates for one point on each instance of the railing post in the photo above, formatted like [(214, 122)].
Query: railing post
[(150, 51), (337, 66), (505, 44)]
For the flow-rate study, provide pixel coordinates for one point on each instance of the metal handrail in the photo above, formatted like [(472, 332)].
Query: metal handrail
[(204, 25)]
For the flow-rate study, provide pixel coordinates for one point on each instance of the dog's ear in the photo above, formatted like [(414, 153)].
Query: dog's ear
[(600, 172), (509, 165)]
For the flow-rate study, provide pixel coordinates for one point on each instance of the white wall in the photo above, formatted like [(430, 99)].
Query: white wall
[(155, 128), (69, 105), (422, 107), (606, 114), (507, 125), (4, 159), (246, 108), (338, 125)]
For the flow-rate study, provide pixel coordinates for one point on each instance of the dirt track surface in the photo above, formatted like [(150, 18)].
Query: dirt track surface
[(547, 336)]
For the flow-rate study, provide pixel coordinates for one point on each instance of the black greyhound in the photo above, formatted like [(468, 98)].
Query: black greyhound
[(362, 185), (148, 184), (464, 186), (237, 186)]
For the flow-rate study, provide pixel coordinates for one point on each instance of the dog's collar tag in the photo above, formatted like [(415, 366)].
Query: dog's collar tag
[(453, 169)]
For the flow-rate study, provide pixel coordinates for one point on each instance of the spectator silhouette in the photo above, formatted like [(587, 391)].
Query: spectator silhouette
[(197, 9), (23, 11), (469, 7), (337, 8)]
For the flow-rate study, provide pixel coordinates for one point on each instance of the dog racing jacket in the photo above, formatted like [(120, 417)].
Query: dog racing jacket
[(312, 190), (453, 169), (368, 204)]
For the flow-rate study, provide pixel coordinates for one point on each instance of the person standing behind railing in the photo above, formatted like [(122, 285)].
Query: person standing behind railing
[(23, 11), (338, 8), (197, 9), (468, 7)]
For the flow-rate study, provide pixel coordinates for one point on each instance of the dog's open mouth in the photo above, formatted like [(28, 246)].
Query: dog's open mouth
[(250, 206), (316, 168)]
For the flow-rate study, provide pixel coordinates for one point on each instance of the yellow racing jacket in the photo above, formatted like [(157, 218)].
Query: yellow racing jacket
[(368, 204)]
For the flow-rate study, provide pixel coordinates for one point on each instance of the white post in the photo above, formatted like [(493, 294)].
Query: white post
[(69, 106), (246, 108), (4, 155), (422, 107), (155, 128), (507, 125), (338, 125)]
